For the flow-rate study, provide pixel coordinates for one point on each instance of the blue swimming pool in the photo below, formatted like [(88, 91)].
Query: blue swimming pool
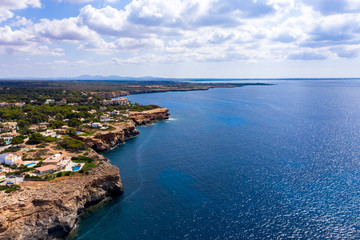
[(30, 164), (77, 168)]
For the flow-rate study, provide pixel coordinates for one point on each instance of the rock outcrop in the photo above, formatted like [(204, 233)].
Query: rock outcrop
[(107, 140), (49, 210), (150, 116)]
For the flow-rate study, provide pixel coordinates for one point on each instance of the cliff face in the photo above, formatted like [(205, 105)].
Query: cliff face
[(49, 210), (148, 117), (105, 141)]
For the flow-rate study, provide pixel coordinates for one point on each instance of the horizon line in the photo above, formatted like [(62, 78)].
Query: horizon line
[(150, 78)]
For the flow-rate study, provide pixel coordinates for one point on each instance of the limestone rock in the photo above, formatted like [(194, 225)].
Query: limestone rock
[(49, 210), (148, 117), (107, 140)]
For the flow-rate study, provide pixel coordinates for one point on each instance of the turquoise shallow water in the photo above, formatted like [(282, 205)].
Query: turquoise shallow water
[(258, 162)]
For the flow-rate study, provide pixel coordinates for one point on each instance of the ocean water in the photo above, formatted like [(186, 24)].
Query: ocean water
[(257, 162)]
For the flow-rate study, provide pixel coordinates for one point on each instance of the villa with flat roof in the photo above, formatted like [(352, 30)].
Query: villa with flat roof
[(10, 159), (54, 163), (46, 169), (49, 132)]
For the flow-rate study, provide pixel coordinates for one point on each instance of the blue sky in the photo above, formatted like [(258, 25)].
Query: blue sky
[(180, 38)]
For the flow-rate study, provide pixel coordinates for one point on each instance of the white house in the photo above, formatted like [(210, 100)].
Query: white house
[(105, 118), (57, 160), (10, 159), (115, 112), (96, 125), (8, 137), (50, 133), (49, 101)]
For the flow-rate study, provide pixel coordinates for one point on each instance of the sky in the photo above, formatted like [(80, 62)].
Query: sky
[(180, 38)]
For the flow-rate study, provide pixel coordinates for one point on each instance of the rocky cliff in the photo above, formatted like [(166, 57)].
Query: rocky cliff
[(49, 210), (107, 140), (148, 117)]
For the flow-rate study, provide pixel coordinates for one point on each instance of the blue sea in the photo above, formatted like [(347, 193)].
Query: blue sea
[(256, 162)]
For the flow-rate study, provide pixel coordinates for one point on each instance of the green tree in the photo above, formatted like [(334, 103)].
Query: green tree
[(37, 117), (59, 116), (22, 124), (72, 132), (56, 124), (74, 122), (72, 144), (27, 108), (35, 138), (17, 140), (2, 142)]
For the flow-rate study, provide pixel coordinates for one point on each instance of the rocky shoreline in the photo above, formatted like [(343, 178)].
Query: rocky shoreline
[(50, 209), (108, 140), (149, 117)]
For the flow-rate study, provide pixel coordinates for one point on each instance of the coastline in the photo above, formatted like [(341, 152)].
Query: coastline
[(161, 89), (33, 218), (107, 141), (51, 209)]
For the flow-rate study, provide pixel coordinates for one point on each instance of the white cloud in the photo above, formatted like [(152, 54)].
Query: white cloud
[(13, 38), (5, 14), (347, 52), (195, 30), (329, 7), (76, 1), (17, 42), (30, 49), (146, 58), (306, 56), (60, 62), (19, 4), (21, 21), (107, 20), (337, 28), (62, 30), (7, 5), (122, 44)]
